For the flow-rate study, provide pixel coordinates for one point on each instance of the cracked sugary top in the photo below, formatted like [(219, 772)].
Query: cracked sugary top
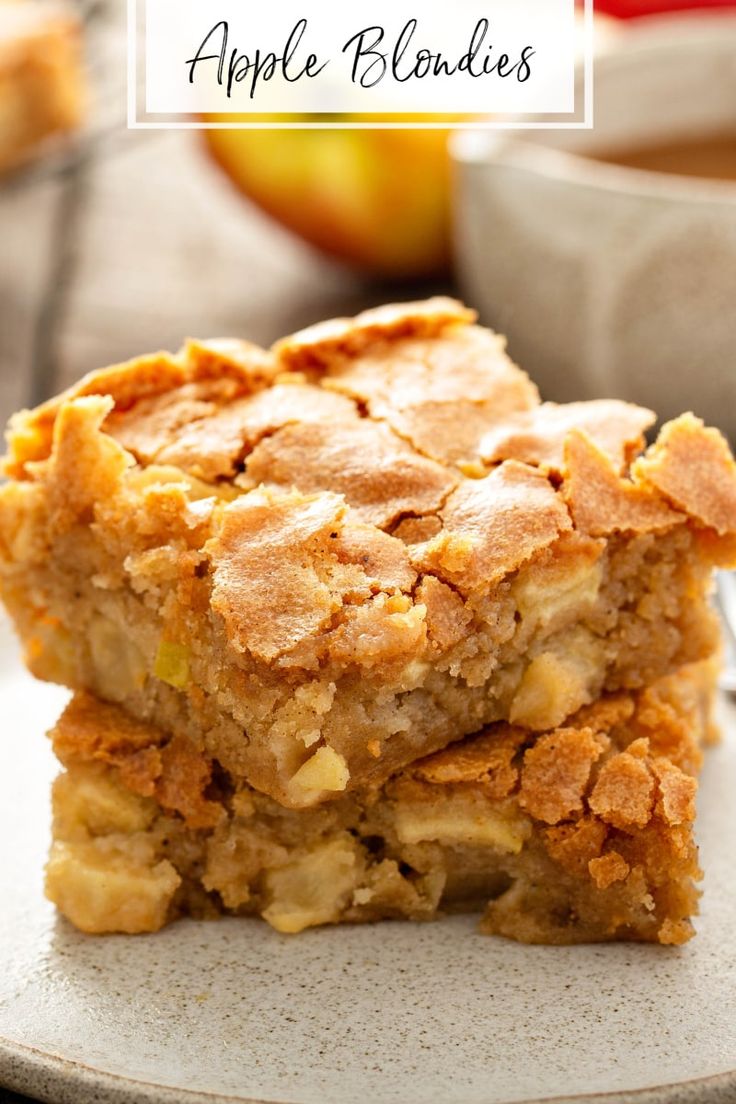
[(404, 442)]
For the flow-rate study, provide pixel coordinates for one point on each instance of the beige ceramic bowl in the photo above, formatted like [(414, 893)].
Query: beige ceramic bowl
[(610, 280)]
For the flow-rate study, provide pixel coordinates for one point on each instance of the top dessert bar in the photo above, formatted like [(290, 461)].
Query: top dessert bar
[(41, 83), (320, 562)]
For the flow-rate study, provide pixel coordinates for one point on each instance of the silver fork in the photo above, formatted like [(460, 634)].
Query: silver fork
[(726, 602)]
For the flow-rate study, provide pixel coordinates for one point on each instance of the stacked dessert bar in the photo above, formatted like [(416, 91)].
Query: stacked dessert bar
[(42, 91), (359, 628)]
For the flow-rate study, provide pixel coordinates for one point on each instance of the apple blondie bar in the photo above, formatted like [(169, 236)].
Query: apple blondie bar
[(41, 81), (582, 833), (325, 560)]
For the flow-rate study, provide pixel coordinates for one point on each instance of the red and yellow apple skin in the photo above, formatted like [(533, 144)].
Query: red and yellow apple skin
[(377, 199)]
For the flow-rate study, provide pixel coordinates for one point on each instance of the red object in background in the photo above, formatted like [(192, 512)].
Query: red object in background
[(630, 9)]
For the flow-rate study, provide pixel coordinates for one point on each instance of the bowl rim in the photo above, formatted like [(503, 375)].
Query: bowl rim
[(704, 30), (484, 151)]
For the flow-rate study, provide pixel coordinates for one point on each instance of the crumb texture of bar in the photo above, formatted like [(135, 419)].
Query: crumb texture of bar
[(582, 833), (42, 88), (322, 561)]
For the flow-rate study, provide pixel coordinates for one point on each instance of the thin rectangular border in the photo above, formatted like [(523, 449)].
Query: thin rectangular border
[(586, 124)]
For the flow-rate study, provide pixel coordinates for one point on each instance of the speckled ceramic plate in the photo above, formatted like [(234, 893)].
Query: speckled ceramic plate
[(416, 1014)]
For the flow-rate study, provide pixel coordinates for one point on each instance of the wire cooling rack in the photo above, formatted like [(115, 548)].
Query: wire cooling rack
[(103, 24), (66, 163)]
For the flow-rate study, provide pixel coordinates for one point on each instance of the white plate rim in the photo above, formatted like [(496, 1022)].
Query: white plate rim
[(39, 1069), (28, 1070)]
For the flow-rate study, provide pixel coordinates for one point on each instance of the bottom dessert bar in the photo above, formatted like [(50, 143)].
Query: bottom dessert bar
[(583, 833)]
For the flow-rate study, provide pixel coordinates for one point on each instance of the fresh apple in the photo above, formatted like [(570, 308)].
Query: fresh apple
[(378, 199), (631, 9)]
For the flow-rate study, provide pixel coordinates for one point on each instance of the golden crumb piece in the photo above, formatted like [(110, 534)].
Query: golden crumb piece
[(555, 775), (623, 794), (609, 868)]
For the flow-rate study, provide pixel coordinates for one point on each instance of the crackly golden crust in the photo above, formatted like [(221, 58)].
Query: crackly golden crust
[(217, 405), (603, 502), (438, 390), (214, 447), (582, 833), (692, 467), (153, 397), (282, 569), (319, 345), (538, 436), (289, 567), (381, 475), (493, 525), (41, 82)]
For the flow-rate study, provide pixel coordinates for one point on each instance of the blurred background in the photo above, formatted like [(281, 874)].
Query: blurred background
[(115, 242)]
